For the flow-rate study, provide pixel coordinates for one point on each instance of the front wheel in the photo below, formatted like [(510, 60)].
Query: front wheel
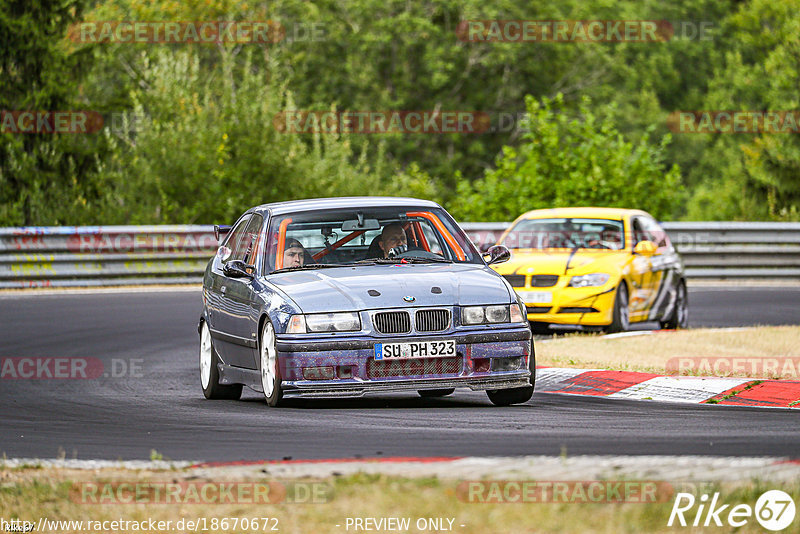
[(270, 370), (506, 397), (679, 318), (209, 370), (620, 321)]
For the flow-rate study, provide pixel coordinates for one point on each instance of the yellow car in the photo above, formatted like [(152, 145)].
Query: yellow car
[(594, 268)]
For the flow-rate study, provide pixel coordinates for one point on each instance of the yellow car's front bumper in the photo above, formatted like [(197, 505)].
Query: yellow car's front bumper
[(589, 306)]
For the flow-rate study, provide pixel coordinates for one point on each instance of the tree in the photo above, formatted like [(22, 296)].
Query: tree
[(565, 160), (43, 177)]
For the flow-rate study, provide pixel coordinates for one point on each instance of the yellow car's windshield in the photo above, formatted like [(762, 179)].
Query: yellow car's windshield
[(566, 233)]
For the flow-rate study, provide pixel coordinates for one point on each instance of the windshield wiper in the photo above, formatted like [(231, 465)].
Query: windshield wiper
[(575, 249), (414, 259), (308, 267), (395, 261)]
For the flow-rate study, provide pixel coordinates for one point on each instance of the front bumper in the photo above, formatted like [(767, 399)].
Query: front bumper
[(589, 306), (472, 366), (351, 388)]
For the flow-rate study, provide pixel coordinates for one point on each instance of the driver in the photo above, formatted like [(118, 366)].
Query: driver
[(393, 236), (294, 255)]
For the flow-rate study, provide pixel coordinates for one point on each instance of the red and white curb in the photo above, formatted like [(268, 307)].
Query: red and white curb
[(688, 389)]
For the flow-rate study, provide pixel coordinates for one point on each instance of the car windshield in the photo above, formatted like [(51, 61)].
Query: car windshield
[(566, 233), (318, 239)]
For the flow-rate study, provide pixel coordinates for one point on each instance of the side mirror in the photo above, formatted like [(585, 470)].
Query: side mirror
[(498, 254), (484, 247), (238, 269), (221, 230), (645, 248)]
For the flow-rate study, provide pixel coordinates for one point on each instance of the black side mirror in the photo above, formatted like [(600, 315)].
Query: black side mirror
[(239, 269), (498, 254), (221, 230)]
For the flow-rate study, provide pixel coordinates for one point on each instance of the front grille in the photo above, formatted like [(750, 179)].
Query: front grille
[(544, 280), (537, 309), (516, 280), (577, 309), (432, 320), (414, 367), (398, 322)]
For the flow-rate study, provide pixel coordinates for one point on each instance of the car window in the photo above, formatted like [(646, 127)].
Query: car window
[(333, 237), (235, 235), (567, 233), (645, 228), (246, 244)]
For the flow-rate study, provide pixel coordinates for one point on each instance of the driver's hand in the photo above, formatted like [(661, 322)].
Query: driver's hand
[(396, 251)]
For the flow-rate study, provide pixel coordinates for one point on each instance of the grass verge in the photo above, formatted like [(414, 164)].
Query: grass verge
[(717, 352), (32, 494)]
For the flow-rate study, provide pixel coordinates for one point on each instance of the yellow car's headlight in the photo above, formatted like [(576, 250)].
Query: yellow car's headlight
[(589, 280)]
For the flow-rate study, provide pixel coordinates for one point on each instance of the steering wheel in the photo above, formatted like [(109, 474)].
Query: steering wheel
[(420, 253)]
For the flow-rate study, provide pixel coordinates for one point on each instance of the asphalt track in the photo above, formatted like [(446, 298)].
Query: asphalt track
[(160, 406)]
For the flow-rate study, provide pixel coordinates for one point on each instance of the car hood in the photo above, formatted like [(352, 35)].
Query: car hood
[(353, 288), (584, 261)]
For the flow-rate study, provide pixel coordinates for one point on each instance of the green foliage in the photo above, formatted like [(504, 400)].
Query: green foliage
[(568, 160), (208, 148), (43, 178)]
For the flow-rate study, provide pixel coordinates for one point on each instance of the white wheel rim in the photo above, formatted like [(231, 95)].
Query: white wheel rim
[(268, 359), (683, 309), (205, 356)]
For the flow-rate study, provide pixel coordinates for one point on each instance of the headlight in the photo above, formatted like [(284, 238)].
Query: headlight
[(472, 315), (324, 322), (589, 280), (497, 314), (489, 314)]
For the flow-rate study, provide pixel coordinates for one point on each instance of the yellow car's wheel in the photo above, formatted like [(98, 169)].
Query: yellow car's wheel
[(621, 319), (679, 318)]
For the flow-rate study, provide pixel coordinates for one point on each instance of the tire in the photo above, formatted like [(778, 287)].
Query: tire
[(209, 370), (270, 370), (506, 397), (620, 321), (429, 393), (679, 318)]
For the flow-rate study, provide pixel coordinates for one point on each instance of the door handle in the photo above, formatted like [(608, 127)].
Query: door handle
[(223, 289)]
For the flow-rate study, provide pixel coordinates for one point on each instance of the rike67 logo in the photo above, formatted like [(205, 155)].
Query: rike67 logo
[(774, 510)]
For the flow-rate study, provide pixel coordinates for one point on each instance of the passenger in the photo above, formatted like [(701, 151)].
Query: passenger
[(393, 236), (294, 255)]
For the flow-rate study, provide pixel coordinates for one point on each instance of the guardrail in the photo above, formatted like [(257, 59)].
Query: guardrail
[(714, 250), (175, 254)]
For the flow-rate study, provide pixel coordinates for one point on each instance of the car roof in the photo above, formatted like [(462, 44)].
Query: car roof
[(310, 204), (591, 213)]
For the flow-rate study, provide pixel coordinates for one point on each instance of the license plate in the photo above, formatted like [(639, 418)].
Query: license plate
[(415, 349), (536, 297)]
